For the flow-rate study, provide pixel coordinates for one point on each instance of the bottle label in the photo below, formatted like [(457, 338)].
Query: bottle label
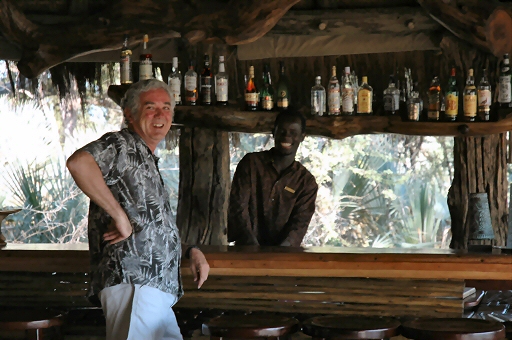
[(484, 100), (251, 98), (145, 69), (505, 95), (470, 105), (221, 90), (452, 105), (364, 101), (126, 69), (413, 111), (347, 100), (175, 85), (206, 90), (190, 83), (267, 103), (391, 102), (282, 102), (334, 101)]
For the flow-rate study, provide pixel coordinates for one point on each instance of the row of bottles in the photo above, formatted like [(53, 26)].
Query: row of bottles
[(265, 98), (197, 90)]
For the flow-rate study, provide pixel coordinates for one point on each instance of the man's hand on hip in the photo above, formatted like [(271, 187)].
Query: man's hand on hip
[(118, 230), (199, 266)]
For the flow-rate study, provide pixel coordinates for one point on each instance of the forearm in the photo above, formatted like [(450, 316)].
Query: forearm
[(89, 179)]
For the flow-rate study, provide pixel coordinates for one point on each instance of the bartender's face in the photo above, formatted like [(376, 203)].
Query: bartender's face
[(288, 135)]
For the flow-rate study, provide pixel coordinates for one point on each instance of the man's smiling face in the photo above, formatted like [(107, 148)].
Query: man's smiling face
[(154, 118), (288, 135)]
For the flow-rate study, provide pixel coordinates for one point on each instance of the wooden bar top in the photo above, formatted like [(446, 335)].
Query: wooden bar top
[(287, 261)]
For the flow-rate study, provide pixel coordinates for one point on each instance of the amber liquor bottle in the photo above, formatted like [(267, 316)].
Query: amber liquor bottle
[(251, 92)]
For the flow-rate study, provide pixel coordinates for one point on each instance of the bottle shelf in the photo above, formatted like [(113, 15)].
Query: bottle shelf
[(232, 118)]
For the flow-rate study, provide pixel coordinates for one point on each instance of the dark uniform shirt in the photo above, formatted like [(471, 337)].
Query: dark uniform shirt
[(151, 255), (267, 208)]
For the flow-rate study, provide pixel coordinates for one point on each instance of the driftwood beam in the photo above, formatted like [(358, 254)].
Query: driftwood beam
[(44, 46)]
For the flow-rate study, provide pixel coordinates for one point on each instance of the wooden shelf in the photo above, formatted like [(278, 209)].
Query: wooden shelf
[(232, 118)]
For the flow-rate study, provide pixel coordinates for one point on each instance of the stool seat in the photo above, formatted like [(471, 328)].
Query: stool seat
[(250, 326), (453, 329), (343, 327)]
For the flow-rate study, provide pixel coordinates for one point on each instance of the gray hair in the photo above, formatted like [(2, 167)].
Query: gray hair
[(131, 99)]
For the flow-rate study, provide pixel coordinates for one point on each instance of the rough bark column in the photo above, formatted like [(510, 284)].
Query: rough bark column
[(479, 166), (204, 186)]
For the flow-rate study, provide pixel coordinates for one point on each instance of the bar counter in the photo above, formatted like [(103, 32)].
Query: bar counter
[(287, 261)]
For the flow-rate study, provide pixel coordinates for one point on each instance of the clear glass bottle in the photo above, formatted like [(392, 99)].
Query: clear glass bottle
[(365, 98), (452, 98), (318, 98), (469, 103), (391, 98), (221, 84), (191, 93), (251, 92), (484, 98), (175, 81), (414, 107), (334, 99), (206, 82), (434, 100), (125, 63), (505, 88), (283, 94), (146, 61), (347, 94), (355, 85), (267, 91)]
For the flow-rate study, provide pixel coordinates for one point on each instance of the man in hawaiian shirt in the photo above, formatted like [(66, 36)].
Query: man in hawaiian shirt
[(134, 244)]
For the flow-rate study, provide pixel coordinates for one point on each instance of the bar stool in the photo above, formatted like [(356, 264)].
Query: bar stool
[(452, 329), (508, 329), (343, 327), (250, 326), (31, 321)]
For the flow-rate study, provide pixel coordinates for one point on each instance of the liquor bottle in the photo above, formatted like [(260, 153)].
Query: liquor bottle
[(318, 98), (434, 100), (191, 93), (251, 92), (347, 94), (125, 63), (355, 85), (146, 61), (414, 106), (470, 98), (283, 95), (221, 83), (505, 89), (206, 82), (391, 98), (364, 98), (484, 98), (334, 99), (452, 98), (267, 91), (175, 81)]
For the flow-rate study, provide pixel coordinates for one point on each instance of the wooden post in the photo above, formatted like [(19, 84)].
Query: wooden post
[(204, 186)]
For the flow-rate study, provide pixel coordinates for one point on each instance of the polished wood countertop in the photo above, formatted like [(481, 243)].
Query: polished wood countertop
[(287, 261)]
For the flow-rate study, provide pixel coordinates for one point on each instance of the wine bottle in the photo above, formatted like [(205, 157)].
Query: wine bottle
[(484, 98), (175, 81), (267, 91), (251, 92), (505, 89), (206, 82), (469, 104), (282, 93), (434, 100), (452, 98), (125, 63), (191, 94), (146, 61), (221, 83)]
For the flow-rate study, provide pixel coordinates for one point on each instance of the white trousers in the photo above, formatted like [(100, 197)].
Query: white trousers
[(135, 312)]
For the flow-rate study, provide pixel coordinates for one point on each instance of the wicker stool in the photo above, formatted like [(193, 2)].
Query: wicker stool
[(250, 326), (31, 321), (341, 327), (453, 329)]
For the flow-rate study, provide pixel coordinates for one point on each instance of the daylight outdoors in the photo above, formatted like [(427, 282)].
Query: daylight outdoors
[(374, 190)]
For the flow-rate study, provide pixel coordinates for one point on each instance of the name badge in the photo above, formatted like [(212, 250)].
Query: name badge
[(287, 188)]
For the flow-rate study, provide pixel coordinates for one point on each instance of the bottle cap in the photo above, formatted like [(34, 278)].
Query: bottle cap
[(221, 58), (347, 69), (146, 38), (470, 72), (318, 78), (175, 60), (365, 79)]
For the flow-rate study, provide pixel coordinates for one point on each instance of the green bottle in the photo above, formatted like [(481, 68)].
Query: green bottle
[(452, 98), (282, 93), (267, 91)]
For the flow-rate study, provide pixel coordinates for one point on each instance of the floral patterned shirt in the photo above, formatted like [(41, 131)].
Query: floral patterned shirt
[(151, 255)]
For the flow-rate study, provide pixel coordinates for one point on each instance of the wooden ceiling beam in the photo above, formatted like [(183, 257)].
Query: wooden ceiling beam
[(43, 46)]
